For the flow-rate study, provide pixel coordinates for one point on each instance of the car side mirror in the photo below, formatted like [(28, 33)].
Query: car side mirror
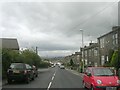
[(89, 74)]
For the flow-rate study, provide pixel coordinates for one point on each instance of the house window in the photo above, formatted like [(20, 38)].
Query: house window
[(115, 39), (102, 43), (102, 60), (95, 64), (86, 53), (85, 61), (95, 52), (89, 52)]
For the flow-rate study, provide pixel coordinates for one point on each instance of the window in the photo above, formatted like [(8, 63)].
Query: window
[(89, 52), (102, 43), (102, 60), (85, 53), (17, 66), (95, 52), (28, 66), (85, 61), (95, 64), (115, 39), (103, 72)]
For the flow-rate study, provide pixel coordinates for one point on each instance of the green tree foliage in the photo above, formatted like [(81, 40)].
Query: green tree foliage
[(115, 61), (6, 60), (31, 57), (44, 64), (111, 51), (71, 62), (11, 56)]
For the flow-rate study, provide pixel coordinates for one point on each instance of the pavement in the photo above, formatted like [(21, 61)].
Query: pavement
[(3, 82), (76, 72)]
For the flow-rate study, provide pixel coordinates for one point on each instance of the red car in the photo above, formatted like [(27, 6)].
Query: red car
[(100, 78)]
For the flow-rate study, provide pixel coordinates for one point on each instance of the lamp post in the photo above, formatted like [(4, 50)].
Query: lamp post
[(82, 50), (82, 37)]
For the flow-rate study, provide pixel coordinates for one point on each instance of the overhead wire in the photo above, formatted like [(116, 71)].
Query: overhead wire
[(91, 17)]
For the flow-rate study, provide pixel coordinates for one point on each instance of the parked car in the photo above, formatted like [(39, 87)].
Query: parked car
[(20, 71), (62, 67), (100, 78), (35, 71)]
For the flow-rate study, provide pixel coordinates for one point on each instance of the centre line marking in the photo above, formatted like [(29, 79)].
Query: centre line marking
[(52, 78), (49, 85), (51, 81)]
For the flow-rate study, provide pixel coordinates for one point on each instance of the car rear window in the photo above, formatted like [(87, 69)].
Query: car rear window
[(102, 72), (17, 66)]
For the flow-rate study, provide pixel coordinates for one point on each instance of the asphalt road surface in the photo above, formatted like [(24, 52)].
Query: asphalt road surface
[(51, 78)]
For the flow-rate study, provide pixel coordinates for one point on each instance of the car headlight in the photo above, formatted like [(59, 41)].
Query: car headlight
[(118, 81), (99, 82)]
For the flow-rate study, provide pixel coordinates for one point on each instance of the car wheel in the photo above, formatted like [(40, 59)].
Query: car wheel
[(37, 75), (92, 88), (28, 80), (118, 88), (9, 81), (84, 85), (33, 77)]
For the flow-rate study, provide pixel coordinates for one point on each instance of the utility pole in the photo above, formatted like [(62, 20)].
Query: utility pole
[(36, 50), (82, 49)]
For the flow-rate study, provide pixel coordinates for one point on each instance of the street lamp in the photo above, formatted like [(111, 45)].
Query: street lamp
[(82, 49), (82, 37)]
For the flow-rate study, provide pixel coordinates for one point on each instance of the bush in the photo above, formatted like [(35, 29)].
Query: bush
[(44, 64)]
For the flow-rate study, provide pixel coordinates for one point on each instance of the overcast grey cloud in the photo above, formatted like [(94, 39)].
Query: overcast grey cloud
[(54, 27)]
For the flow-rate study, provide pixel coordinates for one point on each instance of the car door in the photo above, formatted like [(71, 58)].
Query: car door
[(89, 78), (86, 78), (28, 70), (31, 72)]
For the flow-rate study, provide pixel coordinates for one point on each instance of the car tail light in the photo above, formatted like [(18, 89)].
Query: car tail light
[(25, 71), (9, 71)]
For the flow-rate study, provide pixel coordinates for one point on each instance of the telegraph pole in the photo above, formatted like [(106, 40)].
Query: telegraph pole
[(36, 50), (82, 50)]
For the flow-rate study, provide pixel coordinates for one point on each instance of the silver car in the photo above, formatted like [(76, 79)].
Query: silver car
[(62, 67)]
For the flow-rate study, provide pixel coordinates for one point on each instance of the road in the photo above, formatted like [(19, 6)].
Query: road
[(51, 78)]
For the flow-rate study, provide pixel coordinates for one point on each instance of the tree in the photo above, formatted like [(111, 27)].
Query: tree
[(6, 60), (31, 57), (115, 61), (111, 51), (11, 56), (71, 62)]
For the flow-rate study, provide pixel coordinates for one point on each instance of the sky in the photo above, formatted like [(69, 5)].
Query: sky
[(54, 27)]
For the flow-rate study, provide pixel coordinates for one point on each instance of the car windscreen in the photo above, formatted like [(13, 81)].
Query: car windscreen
[(102, 72), (18, 66)]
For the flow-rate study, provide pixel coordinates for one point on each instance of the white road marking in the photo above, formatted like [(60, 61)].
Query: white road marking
[(54, 74), (49, 85), (51, 81), (52, 78)]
